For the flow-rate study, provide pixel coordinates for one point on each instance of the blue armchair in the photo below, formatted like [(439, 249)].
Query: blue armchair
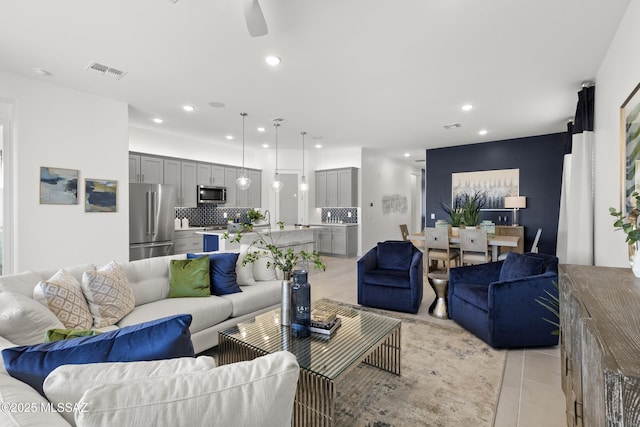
[(496, 301), (390, 277)]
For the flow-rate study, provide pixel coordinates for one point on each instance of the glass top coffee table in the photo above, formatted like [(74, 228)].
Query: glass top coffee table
[(362, 337)]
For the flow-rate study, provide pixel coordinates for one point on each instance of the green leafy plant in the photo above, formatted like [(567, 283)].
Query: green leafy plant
[(454, 212), (552, 303), (471, 205), (628, 224), (266, 244), (254, 215)]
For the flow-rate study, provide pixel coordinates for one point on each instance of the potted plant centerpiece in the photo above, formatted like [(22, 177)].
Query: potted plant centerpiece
[(455, 215), (255, 217), (629, 225), (471, 205)]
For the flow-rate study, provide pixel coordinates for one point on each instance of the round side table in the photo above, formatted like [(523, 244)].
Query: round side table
[(439, 281)]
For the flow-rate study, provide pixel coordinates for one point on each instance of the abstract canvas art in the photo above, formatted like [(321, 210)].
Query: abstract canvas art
[(497, 184), (100, 195), (630, 148), (58, 186)]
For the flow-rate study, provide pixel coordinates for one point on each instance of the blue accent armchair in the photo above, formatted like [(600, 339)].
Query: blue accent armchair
[(390, 277), (497, 301)]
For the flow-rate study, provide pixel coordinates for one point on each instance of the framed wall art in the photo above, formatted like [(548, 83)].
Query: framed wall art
[(58, 186), (100, 195), (630, 148), (497, 184)]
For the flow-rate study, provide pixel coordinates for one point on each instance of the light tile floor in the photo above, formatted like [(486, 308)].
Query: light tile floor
[(531, 393)]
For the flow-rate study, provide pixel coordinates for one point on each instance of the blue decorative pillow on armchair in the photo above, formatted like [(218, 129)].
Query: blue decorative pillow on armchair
[(165, 338), (222, 272), (518, 265), (394, 255)]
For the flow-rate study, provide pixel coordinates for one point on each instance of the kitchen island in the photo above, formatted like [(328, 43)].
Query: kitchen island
[(298, 238)]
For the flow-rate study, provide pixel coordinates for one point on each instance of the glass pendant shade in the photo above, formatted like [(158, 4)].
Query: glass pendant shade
[(303, 184), (243, 182), (277, 185)]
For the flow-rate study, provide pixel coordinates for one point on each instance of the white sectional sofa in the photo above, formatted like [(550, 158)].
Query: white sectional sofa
[(149, 281)]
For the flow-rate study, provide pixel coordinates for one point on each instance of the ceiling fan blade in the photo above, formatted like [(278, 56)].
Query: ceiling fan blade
[(256, 24)]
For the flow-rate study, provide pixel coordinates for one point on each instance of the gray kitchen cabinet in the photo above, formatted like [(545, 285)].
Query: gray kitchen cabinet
[(210, 174), (187, 241), (339, 240), (181, 175), (337, 187), (188, 180), (230, 175), (146, 169)]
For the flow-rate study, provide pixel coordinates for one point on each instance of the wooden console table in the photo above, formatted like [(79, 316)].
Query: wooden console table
[(600, 339)]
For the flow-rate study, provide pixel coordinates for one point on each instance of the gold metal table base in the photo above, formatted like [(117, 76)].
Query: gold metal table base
[(315, 399)]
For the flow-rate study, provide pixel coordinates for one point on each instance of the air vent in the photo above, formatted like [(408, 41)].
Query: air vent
[(452, 126), (106, 71), (420, 161)]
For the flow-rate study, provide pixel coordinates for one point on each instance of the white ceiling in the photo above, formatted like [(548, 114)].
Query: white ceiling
[(381, 74)]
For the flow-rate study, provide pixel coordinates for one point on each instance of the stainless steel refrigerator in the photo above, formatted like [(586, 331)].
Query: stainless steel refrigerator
[(151, 220)]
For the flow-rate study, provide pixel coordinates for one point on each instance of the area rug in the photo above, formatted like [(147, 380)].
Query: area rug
[(449, 378)]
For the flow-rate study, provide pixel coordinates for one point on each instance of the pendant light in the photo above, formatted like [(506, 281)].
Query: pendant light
[(243, 182), (276, 185), (303, 181)]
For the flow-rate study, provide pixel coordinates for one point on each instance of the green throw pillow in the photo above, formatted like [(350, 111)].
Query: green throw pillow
[(64, 334), (189, 277)]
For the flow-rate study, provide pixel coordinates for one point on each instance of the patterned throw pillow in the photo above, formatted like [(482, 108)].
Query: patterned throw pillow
[(108, 294), (63, 295)]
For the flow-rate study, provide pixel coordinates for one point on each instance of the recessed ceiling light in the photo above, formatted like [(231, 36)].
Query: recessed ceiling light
[(467, 107), (158, 120), (318, 145), (407, 154), (482, 132), (188, 108), (42, 72), (261, 129), (216, 104), (273, 60), (265, 145), (229, 137)]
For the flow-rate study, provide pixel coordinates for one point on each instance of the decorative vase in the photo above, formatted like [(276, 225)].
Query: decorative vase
[(285, 310), (634, 259), (300, 305)]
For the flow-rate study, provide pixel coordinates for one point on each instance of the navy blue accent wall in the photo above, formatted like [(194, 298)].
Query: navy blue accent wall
[(539, 159)]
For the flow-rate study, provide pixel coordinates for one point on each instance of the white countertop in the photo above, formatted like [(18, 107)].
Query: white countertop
[(335, 224), (274, 230), (190, 229)]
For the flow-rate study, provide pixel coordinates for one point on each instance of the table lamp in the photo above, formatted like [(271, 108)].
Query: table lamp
[(515, 203)]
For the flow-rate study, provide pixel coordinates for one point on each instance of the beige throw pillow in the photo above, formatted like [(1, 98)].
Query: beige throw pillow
[(63, 295), (244, 273), (108, 294)]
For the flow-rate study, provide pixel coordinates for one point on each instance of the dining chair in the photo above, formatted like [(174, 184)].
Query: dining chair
[(437, 247), (405, 231), (473, 246)]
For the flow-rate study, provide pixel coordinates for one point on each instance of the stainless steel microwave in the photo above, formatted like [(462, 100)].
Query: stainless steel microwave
[(211, 195)]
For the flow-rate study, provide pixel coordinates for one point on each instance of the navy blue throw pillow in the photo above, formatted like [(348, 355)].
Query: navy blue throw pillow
[(518, 265), (222, 273), (165, 338)]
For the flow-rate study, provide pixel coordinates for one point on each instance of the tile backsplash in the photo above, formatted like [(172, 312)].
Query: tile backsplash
[(340, 214), (208, 215)]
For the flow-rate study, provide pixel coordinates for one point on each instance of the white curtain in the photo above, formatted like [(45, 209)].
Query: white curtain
[(575, 230)]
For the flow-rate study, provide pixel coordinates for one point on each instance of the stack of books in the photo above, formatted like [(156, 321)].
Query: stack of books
[(323, 322)]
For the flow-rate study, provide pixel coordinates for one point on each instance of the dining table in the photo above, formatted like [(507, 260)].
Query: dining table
[(495, 242)]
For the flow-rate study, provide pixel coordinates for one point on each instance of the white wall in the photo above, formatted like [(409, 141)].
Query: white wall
[(383, 176), (55, 126), (619, 73)]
